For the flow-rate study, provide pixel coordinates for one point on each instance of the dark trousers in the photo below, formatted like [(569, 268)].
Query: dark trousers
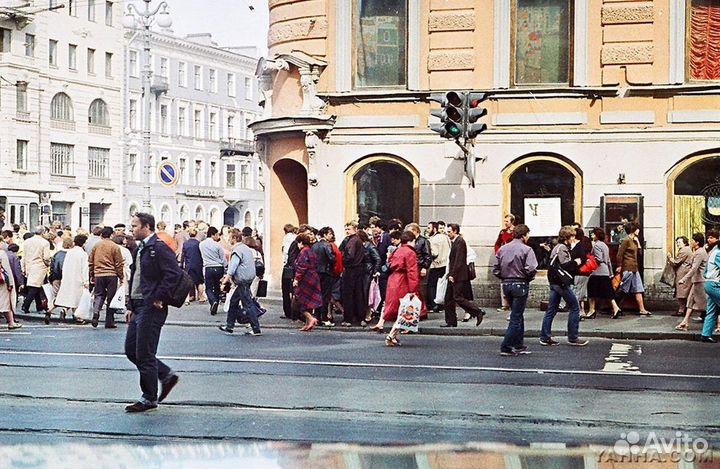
[(34, 293), (433, 276), (455, 296), (353, 299), (287, 290), (327, 282), (141, 343), (242, 304), (212, 283), (104, 292), (517, 295)]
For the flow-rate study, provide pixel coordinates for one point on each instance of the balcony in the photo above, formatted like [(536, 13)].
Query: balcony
[(62, 125), (159, 85), (236, 146), (18, 14)]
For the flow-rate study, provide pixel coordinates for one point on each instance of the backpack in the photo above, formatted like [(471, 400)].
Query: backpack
[(557, 275)]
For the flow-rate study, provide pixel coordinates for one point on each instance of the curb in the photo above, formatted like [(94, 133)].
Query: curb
[(434, 330)]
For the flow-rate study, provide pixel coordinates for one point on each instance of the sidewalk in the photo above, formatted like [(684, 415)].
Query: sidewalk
[(660, 326)]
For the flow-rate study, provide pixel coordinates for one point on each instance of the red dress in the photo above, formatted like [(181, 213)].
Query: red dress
[(307, 293), (404, 278)]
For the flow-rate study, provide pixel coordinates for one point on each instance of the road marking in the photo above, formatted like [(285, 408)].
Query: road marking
[(365, 365), (617, 361)]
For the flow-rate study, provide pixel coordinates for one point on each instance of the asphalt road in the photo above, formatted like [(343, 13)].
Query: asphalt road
[(72, 382)]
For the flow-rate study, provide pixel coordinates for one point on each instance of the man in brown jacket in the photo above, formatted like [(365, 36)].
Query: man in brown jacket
[(457, 278), (106, 272)]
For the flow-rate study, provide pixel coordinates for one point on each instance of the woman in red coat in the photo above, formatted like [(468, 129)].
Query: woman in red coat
[(404, 278), (308, 295)]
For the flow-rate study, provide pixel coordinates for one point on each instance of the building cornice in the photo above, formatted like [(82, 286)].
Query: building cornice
[(292, 124)]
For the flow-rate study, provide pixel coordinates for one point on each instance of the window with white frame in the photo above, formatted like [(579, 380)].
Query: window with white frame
[(212, 78), (197, 130), (248, 88), (133, 63), (182, 74), (198, 77), (248, 131), (29, 45), (230, 175), (182, 121), (213, 126), (165, 213), (164, 63), (244, 176), (133, 114), (380, 37), (5, 39), (72, 7), (132, 167), (198, 173), (98, 113), (108, 65), (98, 162), (61, 108), (213, 173), (91, 61), (21, 90), (61, 159), (52, 53), (21, 155), (231, 85), (231, 127), (182, 170), (91, 10), (109, 13), (164, 119), (72, 56), (703, 31)]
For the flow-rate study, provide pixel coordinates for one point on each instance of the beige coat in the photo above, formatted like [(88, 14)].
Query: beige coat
[(8, 296), (36, 260), (682, 263)]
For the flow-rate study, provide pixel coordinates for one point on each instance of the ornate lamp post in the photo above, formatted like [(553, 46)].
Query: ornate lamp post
[(144, 19)]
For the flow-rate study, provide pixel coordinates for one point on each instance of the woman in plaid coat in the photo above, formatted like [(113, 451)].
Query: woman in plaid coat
[(308, 295)]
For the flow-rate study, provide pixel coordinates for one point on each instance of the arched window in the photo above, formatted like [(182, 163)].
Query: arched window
[(61, 108), (215, 217), (132, 210), (183, 213), (98, 114), (248, 218), (199, 213), (695, 195), (545, 193), (165, 213)]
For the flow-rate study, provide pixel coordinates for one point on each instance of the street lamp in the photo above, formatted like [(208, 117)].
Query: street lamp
[(136, 19)]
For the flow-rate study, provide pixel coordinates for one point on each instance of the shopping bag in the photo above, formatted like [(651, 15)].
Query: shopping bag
[(441, 289), (668, 275), (228, 297), (409, 313), (50, 295), (374, 295), (118, 301), (262, 289), (84, 309)]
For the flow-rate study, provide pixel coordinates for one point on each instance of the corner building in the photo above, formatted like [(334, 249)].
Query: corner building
[(598, 112)]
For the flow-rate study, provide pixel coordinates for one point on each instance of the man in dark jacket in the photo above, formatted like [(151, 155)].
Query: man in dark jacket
[(458, 276), (154, 274), (325, 267), (353, 253), (424, 259)]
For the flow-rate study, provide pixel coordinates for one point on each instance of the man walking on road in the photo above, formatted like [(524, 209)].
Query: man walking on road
[(241, 272), (106, 267), (154, 274), (516, 265), (35, 263), (458, 276), (214, 265)]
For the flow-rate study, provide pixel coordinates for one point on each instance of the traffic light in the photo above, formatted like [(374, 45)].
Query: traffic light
[(473, 112), (452, 114)]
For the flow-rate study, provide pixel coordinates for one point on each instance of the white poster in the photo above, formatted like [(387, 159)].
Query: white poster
[(543, 216)]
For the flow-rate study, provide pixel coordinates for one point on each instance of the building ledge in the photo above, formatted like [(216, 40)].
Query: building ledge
[(292, 124)]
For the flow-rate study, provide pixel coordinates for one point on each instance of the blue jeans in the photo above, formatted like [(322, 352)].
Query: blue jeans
[(713, 304), (141, 343), (567, 294), (517, 295), (213, 275), (242, 302)]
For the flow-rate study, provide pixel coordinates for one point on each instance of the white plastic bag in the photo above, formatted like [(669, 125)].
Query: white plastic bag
[(84, 309), (118, 301), (228, 297), (409, 313), (441, 289), (50, 295)]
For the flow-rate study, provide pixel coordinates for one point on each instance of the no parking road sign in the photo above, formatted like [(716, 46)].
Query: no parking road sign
[(168, 174)]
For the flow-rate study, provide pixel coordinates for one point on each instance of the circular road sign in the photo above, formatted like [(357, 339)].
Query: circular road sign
[(168, 174)]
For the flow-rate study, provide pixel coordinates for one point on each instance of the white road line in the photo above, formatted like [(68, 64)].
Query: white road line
[(364, 365), (617, 360)]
